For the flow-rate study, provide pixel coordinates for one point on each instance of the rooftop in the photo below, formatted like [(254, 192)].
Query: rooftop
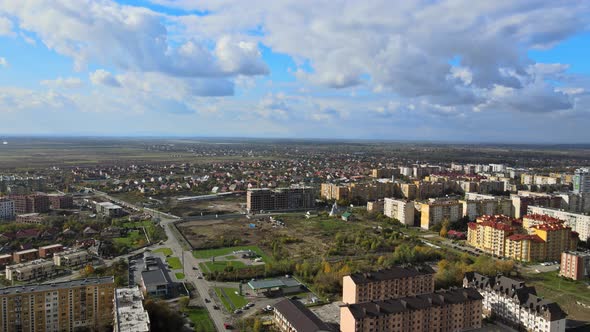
[(396, 272), (273, 283), (154, 277), (418, 302), (300, 316), (58, 285), (130, 314)]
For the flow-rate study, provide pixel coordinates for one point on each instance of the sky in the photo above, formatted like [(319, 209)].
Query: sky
[(450, 70)]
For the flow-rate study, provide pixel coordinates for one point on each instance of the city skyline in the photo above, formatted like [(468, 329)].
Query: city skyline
[(449, 71)]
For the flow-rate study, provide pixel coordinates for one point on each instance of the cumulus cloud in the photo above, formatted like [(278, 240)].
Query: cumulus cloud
[(60, 82), (103, 77), (3, 62), (128, 38)]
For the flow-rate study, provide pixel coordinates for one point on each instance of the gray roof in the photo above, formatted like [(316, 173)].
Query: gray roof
[(411, 303), (273, 283), (395, 272), (300, 317), (525, 295), (154, 277), (58, 285)]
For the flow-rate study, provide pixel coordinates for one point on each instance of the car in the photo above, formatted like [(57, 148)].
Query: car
[(207, 300), (237, 311), (199, 277), (250, 304), (227, 326), (195, 268), (215, 307)]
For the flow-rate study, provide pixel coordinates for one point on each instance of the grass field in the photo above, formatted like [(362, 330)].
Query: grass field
[(179, 275), (208, 253), (200, 317), (565, 292), (231, 301), (174, 263), (221, 265), (132, 240), (165, 251)]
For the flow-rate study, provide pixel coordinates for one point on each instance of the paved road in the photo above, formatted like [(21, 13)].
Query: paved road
[(202, 286)]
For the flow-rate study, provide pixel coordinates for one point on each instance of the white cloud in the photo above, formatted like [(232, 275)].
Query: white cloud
[(103, 77), (3, 62), (60, 82), (6, 27)]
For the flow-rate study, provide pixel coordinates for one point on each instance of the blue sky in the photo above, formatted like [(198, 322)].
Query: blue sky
[(411, 70)]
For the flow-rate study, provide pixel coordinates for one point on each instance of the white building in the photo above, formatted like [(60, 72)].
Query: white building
[(493, 206), (582, 180), (6, 209), (72, 257), (33, 270), (579, 223), (130, 316), (109, 209), (399, 209), (513, 303)]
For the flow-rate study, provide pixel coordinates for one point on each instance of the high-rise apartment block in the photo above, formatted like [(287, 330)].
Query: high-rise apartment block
[(66, 306), (575, 265), (36, 203), (58, 202), (387, 284), (444, 310), (6, 208), (402, 210), (436, 211), (479, 207), (280, 199), (130, 316), (580, 223), (581, 180)]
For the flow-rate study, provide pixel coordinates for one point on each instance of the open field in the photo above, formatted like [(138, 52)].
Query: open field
[(222, 205), (200, 317), (231, 301), (174, 262), (165, 251), (133, 239), (208, 253), (221, 265), (565, 292)]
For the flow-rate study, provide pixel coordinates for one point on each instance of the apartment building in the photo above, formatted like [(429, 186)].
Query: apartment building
[(25, 255), (581, 180), (580, 223), (266, 199), (36, 203), (6, 208), (30, 218), (72, 258), (516, 304), (575, 265), (65, 306), (444, 310), (387, 284), (489, 233), (523, 200), (294, 316), (58, 202), (130, 315), (375, 206), (525, 247), (491, 207), (34, 270), (381, 173), (109, 209), (50, 250), (435, 211), (402, 210)]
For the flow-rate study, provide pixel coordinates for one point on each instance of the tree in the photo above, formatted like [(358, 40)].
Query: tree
[(443, 230), (162, 318)]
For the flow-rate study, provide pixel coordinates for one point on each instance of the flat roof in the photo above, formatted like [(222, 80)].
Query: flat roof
[(57, 285), (57, 245), (154, 277), (28, 251), (300, 317), (273, 283)]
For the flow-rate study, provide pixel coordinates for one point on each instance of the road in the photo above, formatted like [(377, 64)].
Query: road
[(202, 286)]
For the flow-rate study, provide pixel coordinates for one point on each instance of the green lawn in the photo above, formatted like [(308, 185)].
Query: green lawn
[(235, 299), (221, 265), (200, 317), (230, 257), (208, 253), (132, 239), (174, 262), (165, 251), (179, 275)]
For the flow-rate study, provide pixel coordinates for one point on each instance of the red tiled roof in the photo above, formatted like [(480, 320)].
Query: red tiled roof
[(521, 237), (542, 217)]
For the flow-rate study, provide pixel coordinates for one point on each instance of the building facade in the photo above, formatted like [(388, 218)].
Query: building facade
[(34, 270), (58, 202), (401, 210), (581, 180), (72, 258), (435, 211), (515, 304), (575, 265), (66, 306), (280, 199), (580, 223), (6, 208), (293, 316), (387, 284), (36, 203), (444, 310), (491, 207)]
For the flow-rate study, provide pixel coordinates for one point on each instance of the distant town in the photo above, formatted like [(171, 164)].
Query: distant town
[(352, 239)]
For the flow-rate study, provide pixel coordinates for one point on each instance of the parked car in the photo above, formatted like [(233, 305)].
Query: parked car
[(227, 326)]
